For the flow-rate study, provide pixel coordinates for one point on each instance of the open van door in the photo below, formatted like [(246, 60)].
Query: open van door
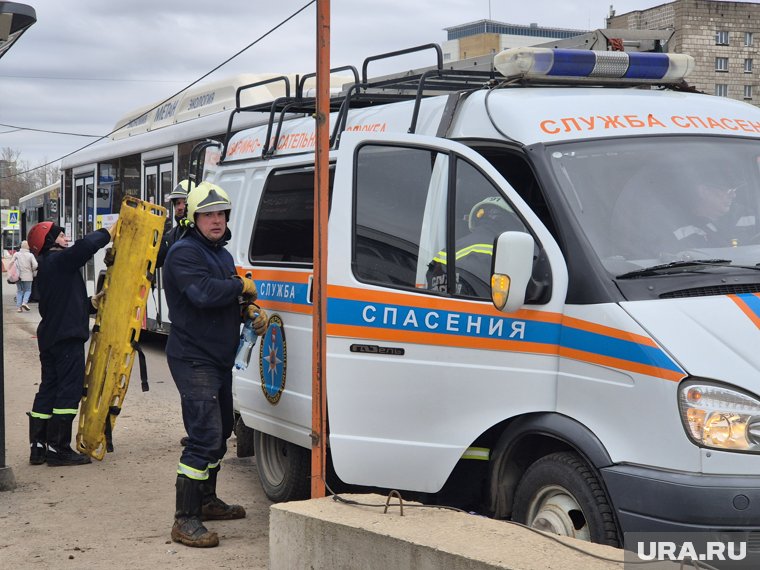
[(419, 361)]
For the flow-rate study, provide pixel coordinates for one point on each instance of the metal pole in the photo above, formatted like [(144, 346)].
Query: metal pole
[(15, 19), (321, 185), (7, 481)]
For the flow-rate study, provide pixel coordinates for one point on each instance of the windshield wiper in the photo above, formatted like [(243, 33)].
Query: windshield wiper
[(679, 266)]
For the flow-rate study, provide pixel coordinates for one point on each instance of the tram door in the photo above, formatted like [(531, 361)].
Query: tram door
[(84, 221), (159, 177), (159, 182)]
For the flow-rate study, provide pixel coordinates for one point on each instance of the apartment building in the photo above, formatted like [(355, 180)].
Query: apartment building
[(723, 37)]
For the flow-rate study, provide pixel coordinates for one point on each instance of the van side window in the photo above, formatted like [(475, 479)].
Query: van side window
[(394, 188), (284, 228), (403, 223), (515, 170), (481, 214)]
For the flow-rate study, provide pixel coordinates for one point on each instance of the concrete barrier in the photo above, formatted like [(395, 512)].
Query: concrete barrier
[(323, 533)]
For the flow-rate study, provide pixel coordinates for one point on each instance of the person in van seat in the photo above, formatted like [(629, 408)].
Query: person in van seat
[(61, 334), (714, 219), (207, 300), (487, 219), (662, 213)]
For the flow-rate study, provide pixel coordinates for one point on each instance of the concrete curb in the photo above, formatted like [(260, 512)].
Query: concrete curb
[(323, 533)]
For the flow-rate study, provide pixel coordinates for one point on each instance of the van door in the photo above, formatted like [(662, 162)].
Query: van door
[(419, 362), (273, 243)]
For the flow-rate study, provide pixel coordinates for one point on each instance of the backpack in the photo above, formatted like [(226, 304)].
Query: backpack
[(13, 273)]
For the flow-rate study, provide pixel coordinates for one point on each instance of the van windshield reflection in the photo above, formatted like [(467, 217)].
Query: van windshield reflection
[(660, 204)]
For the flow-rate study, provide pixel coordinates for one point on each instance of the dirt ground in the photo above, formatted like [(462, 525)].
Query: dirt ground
[(116, 513)]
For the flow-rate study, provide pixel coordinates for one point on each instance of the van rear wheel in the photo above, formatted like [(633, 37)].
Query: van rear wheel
[(284, 468), (560, 494)]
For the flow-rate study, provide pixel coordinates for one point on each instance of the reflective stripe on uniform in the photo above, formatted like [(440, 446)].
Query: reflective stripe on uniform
[(64, 411), (745, 221), (40, 416), (478, 453), (214, 465), (686, 231), (191, 473), (465, 251), (475, 248)]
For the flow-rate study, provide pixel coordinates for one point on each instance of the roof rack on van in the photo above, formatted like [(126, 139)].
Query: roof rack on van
[(516, 66), (362, 92)]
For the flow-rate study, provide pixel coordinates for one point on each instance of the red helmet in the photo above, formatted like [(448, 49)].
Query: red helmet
[(37, 235)]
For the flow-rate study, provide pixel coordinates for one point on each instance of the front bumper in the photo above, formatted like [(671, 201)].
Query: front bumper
[(651, 500)]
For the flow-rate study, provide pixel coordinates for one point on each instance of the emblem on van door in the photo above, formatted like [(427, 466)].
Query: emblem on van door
[(273, 357)]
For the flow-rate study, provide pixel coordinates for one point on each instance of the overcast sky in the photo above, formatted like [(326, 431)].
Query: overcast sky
[(86, 63)]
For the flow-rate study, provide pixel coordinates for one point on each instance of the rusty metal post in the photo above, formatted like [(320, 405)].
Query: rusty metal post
[(321, 184)]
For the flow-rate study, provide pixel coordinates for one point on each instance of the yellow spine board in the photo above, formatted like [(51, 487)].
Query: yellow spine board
[(119, 320)]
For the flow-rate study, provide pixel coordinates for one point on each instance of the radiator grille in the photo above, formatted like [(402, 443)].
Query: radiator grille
[(713, 290)]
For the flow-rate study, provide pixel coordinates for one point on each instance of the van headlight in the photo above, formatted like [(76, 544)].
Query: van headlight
[(720, 417)]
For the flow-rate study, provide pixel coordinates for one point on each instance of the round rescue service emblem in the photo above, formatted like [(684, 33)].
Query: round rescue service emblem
[(273, 360)]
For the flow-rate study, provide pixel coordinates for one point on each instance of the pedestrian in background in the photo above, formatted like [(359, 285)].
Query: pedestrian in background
[(27, 269), (204, 295), (64, 328)]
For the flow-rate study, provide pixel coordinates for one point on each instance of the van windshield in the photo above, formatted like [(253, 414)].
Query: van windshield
[(644, 202)]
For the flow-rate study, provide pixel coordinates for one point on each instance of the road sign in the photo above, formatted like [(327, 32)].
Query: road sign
[(13, 216)]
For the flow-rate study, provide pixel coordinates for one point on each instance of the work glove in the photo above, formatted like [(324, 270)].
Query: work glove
[(95, 299), (258, 316), (249, 289), (109, 258)]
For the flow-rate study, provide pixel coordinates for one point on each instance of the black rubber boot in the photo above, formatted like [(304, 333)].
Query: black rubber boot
[(37, 439), (188, 528), (59, 451), (213, 507)]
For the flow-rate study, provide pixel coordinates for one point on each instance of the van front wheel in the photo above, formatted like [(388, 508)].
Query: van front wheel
[(560, 494), (284, 468)]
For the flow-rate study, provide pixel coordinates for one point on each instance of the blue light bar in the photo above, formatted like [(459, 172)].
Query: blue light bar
[(587, 65)]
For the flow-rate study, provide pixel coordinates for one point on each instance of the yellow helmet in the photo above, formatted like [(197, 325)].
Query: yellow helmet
[(207, 197)]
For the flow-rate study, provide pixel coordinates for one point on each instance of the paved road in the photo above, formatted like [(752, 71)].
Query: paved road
[(116, 513)]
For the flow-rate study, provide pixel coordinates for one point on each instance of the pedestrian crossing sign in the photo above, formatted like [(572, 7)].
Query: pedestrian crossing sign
[(13, 219)]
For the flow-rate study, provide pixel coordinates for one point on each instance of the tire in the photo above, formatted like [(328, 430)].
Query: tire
[(244, 437), (560, 494), (284, 468)]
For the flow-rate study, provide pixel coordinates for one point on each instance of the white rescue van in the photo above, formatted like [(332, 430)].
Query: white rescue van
[(605, 380)]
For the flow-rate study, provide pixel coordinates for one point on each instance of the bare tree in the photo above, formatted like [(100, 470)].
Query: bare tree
[(18, 178)]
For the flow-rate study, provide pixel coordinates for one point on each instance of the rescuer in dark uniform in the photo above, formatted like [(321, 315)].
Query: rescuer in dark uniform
[(178, 199), (204, 295), (474, 252), (61, 335)]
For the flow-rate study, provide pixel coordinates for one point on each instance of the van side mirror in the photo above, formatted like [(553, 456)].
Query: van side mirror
[(512, 269)]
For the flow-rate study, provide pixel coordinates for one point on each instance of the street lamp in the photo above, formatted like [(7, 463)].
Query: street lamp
[(14, 20)]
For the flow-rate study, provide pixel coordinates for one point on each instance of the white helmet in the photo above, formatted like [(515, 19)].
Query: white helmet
[(180, 190), (484, 207)]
